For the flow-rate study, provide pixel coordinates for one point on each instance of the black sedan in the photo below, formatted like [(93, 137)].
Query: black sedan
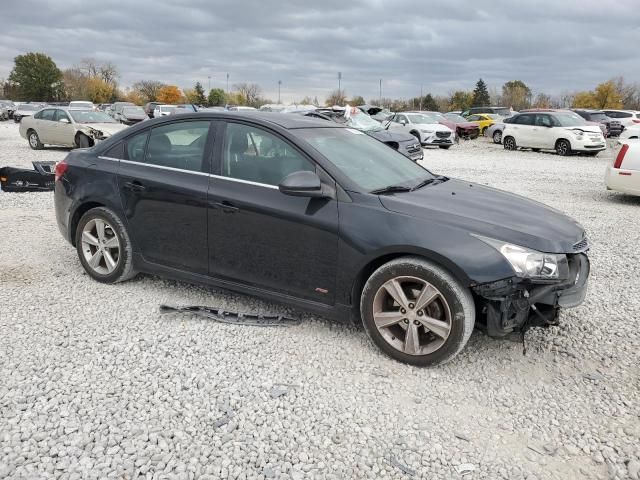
[(353, 117), (322, 217)]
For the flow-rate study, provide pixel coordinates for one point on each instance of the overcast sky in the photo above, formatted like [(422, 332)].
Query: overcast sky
[(553, 46)]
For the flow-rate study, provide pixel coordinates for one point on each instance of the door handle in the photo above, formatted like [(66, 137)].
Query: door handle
[(135, 186), (226, 207)]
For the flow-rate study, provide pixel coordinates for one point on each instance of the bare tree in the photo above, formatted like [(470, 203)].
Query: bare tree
[(249, 92), (148, 89), (109, 73), (337, 97)]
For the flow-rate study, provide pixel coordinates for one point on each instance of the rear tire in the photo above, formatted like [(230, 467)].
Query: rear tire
[(497, 136), (34, 140), (104, 246), (563, 147), (509, 143), (483, 131), (433, 326)]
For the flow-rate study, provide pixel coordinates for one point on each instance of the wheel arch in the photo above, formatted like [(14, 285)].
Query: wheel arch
[(76, 139), (77, 215), (555, 145), (375, 261)]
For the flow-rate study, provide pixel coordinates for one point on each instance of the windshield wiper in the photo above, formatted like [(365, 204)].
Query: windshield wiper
[(430, 181), (391, 189)]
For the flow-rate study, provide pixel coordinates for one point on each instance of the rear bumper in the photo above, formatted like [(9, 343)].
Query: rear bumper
[(621, 180), (62, 204)]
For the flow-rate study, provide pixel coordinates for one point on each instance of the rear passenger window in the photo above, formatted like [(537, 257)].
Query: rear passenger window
[(47, 114), (179, 145), (135, 147), (117, 151)]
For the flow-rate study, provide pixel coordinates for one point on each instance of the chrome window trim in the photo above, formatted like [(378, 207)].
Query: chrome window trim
[(247, 182), (162, 167)]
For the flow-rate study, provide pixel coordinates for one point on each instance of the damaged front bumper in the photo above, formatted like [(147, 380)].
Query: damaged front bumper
[(515, 304)]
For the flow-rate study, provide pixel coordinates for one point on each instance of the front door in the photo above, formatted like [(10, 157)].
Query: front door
[(261, 237), (62, 131), (163, 182)]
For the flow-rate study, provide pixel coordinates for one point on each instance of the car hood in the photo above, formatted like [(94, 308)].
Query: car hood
[(106, 128), (586, 128), (489, 212), (388, 136), (467, 125)]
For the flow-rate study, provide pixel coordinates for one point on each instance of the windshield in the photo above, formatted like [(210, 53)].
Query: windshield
[(81, 104), (599, 117), (505, 112), (29, 108), (188, 108), (367, 162), (133, 111), (422, 118), (89, 116), (363, 122), (569, 119), (455, 118)]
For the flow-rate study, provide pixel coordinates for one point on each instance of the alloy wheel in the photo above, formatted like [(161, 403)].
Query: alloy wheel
[(509, 143), (412, 315), (33, 140), (100, 246), (562, 148), (497, 136)]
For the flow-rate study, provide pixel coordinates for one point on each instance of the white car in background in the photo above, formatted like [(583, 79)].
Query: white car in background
[(423, 128), (163, 110), (84, 104), (563, 132), (26, 110), (623, 174), (632, 132), (627, 118)]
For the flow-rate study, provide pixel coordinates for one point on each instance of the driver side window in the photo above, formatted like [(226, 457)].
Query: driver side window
[(255, 155), (59, 115)]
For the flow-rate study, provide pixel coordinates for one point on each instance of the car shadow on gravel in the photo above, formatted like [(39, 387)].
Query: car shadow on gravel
[(623, 199)]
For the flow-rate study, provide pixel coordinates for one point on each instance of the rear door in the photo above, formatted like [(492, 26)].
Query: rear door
[(522, 129), (543, 133), (163, 182), (44, 125)]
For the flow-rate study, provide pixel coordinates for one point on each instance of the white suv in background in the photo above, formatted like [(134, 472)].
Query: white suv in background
[(423, 128), (564, 132), (627, 118)]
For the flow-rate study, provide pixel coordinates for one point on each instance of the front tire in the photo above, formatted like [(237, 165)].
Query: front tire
[(497, 136), (445, 147), (509, 143), (83, 141), (563, 147), (104, 246), (416, 312)]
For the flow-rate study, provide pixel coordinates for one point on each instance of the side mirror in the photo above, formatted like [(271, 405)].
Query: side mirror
[(64, 120), (302, 184), (403, 122)]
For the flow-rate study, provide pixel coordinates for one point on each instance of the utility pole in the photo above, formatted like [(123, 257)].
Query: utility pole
[(227, 82), (209, 77), (279, 83), (420, 97), (339, 80), (380, 97)]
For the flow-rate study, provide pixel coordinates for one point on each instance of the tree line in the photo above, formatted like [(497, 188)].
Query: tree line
[(36, 77)]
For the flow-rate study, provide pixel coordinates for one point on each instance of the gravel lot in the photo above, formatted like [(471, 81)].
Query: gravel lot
[(94, 383)]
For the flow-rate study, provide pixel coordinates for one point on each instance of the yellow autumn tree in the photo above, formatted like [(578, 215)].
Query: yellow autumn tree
[(169, 94), (607, 95), (134, 96), (584, 100), (98, 91)]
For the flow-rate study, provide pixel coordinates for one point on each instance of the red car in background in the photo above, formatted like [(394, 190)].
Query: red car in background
[(463, 128)]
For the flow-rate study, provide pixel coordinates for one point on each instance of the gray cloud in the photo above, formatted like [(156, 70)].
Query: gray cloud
[(442, 44)]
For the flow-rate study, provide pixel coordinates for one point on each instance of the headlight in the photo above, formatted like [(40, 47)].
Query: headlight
[(528, 263), (578, 133)]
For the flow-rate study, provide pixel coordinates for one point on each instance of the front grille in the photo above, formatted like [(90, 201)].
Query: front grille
[(582, 245), (443, 134)]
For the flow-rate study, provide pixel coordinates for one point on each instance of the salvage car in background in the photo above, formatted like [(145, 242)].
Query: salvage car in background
[(82, 104), (623, 173), (354, 117), (463, 128), (563, 132), (26, 110), (67, 127), (613, 127), (484, 120), (425, 128), (130, 115), (357, 231), (7, 107)]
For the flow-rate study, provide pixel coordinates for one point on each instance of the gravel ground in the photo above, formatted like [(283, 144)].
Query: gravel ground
[(94, 383)]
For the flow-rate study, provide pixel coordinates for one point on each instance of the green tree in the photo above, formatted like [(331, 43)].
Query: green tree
[(461, 100), (217, 97), (481, 96), (37, 77), (200, 98), (427, 102), (516, 94)]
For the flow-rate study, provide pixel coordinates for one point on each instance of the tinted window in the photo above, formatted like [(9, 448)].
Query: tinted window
[(47, 114), (135, 147), (179, 145), (543, 120), (256, 155), (473, 118), (526, 119), (623, 114), (60, 114), (116, 151)]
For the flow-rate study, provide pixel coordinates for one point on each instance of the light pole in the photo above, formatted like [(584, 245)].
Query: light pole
[(279, 83), (339, 80), (209, 77), (420, 97), (380, 97), (227, 83)]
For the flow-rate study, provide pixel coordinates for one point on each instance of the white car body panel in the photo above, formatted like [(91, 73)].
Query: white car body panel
[(626, 178), (627, 120), (630, 132), (545, 138)]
